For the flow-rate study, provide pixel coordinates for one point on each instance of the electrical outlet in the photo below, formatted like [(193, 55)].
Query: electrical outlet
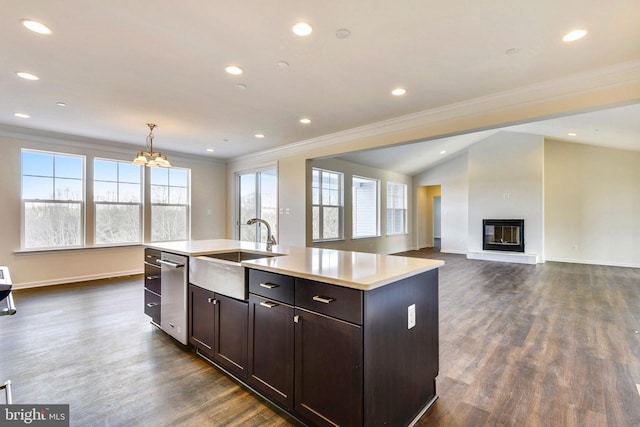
[(411, 316)]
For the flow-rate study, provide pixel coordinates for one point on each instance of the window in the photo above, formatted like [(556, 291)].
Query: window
[(365, 207), (258, 199), (169, 204), (52, 200), (327, 195), (396, 208), (117, 194)]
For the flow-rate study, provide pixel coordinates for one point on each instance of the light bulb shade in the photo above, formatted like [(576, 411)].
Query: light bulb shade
[(140, 159), (152, 163)]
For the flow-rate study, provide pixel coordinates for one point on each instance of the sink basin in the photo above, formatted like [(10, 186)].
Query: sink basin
[(238, 256), (222, 272)]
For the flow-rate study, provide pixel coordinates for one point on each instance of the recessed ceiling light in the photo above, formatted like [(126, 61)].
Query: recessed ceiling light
[(35, 26), (210, 150), (302, 29), (305, 121), (259, 135), (399, 91), (443, 152), (574, 35), (233, 69), (22, 115), (282, 65), (27, 76), (61, 104), (343, 33), (572, 134), (240, 86)]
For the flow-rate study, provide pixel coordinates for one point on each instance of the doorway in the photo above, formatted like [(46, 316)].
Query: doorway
[(429, 216)]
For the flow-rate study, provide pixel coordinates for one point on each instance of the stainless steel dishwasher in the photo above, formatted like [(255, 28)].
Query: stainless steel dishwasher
[(173, 304)]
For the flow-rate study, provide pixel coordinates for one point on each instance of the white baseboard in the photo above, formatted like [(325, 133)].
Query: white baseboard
[(593, 262), (514, 257), (452, 251), (64, 280)]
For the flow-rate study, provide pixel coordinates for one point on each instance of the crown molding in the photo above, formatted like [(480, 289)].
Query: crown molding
[(584, 83), (63, 139)]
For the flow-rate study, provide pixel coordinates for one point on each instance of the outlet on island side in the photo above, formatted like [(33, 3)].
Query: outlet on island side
[(411, 316)]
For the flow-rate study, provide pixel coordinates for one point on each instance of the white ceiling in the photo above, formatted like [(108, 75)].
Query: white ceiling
[(120, 64)]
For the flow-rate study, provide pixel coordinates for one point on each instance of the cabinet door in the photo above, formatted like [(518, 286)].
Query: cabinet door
[(232, 324), (271, 349), (202, 319), (328, 370)]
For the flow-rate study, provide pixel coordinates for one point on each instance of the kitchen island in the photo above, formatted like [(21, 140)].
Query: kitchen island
[(332, 337)]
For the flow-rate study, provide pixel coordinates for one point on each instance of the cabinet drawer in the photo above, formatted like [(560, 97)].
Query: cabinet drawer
[(272, 286), (152, 278), (152, 256), (331, 300), (152, 306)]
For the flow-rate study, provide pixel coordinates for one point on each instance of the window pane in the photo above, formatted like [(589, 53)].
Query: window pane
[(34, 163), (365, 207), (168, 223), (68, 166), (128, 172), (331, 223), (315, 221), (49, 225), (105, 191), (68, 189), (159, 176), (129, 193), (104, 170), (37, 188), (177, 195), (117, 224), (178, 177), (159, 194)]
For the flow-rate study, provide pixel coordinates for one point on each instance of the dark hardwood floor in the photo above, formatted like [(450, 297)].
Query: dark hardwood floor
[(546, 345)]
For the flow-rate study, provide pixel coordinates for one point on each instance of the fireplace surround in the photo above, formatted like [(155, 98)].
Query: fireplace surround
[(503, 235)]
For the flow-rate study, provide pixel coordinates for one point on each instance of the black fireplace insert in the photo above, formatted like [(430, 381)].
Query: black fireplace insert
[(503, 235)]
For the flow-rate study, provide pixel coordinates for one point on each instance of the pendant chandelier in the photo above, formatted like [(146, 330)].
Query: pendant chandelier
[(151, 158)]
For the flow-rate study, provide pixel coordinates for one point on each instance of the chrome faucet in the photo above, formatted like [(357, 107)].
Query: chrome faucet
[(270, 239)]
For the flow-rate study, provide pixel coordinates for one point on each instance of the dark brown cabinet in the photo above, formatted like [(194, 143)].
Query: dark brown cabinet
[(333, 355), (218, 328), (152, 280), (328, 370), (271, 338)]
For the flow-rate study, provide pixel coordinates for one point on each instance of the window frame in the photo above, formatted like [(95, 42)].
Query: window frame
[(354, 210), (24, 201), (392, 210), (186, 205), (140, 204), (321, 205)]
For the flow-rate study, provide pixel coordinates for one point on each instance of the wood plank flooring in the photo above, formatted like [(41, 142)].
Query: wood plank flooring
[(546, 345)]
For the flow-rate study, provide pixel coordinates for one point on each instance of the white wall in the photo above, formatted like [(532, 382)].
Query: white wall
[(208, 181), (453, 177), (592, 204), (383, 243), (506, 182)]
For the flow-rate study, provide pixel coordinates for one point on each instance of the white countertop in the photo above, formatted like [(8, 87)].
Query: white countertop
[(357, 270)]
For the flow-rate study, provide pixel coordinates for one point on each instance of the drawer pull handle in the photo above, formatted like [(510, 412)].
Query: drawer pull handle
[(152, 304), (323, 299), (212, 300), (269, 285), (152, 277), (268, 304)]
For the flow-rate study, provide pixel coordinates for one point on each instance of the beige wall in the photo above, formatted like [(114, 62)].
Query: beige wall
[(425, 211), (592, 204), (208, 213)]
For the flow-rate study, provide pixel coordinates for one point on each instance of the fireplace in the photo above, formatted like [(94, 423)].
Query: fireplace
[(503, 235)]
